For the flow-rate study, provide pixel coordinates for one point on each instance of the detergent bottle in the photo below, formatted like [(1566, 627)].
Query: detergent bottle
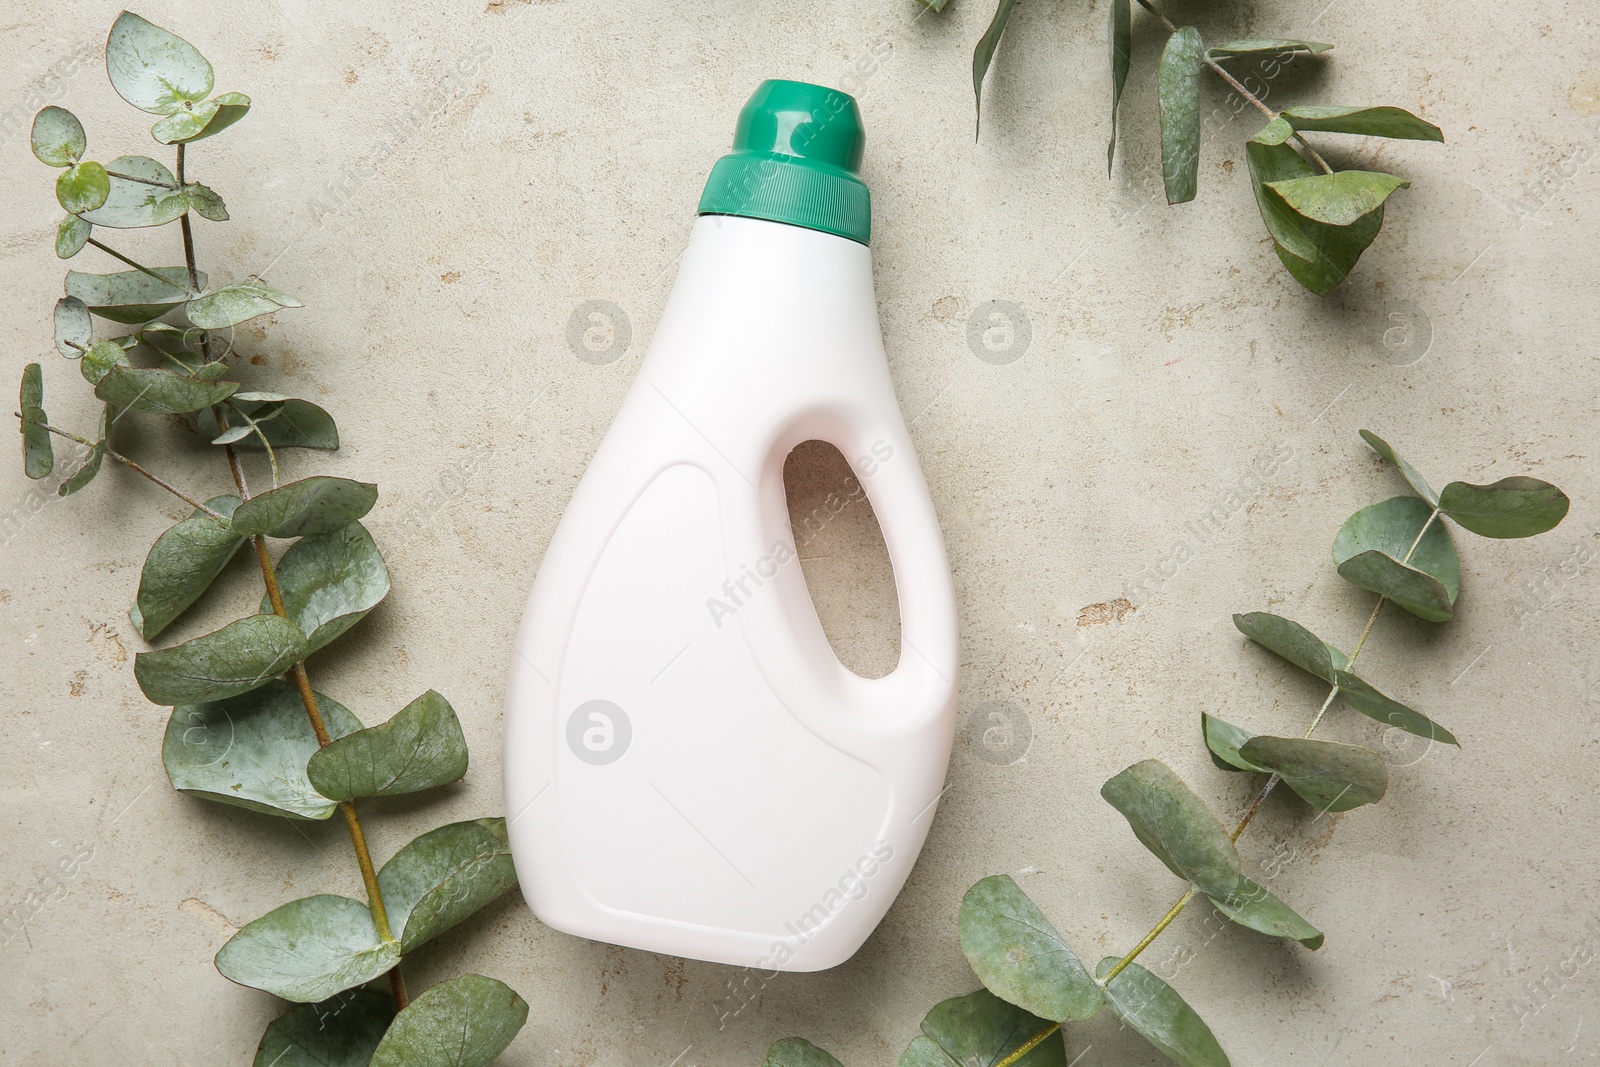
[(689, 768)]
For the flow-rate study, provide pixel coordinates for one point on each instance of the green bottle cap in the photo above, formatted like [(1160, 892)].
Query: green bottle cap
[(796, 158)]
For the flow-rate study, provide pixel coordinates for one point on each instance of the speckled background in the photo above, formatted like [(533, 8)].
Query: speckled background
[(446, 189)]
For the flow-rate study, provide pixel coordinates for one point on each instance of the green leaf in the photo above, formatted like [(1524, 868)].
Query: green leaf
[(132, 204), (152, 69), (1155, 1011), (1252, 45), (1250, 905), (1275, 132), (205, 201), (159, 390), (1411, 474), (286, 421), (983, 55), (38, 456), (1362, 696), (465, 1022), (101, 357), (797, 1051), (1178, 86), (82, 187), (250, 751), (304, 508), (308, 949), (1338, 199), (979, 1030), (420, 748), (1291, 641), (1175, 824), (58, 137), (329, 581), (1223, 740), (130, 296), (1371, 121), (233, 304), (444, 876), (1121, 38), (74, 328), (201, 120), (1020, 957), (72, 233), (1329, 776), (1371, 546), (182, 564), (84, 474), (243, 655), (1317, 255), (1511, 507), (342, 1031)]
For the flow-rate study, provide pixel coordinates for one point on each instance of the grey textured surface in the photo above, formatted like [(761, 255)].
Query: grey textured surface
[(445, 188)]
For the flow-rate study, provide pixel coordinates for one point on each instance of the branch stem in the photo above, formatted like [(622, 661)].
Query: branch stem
[(143, 181), (113, 253), (131, 465)]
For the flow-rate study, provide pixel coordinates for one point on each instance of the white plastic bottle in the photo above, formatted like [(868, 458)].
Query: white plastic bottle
[(689, 769)]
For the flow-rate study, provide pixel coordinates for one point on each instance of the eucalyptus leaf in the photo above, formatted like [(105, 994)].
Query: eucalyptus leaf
[(152, 69), (74, 328), (305, 508), (1121, 38), (983, 55), (1178, 84), (1275, 132), (100, 358), (91, 464), (1223, 740), (205, 201), (1329, 776), (1155, 1011), (1370, 121), (250, 751), (233, 304), (205, 120), (159, 390), (342, 1031), (1319, 256), (1249, 904), (979, 1030), (38, 455), (1412, 476), (1378, 549), (233, 435), (420, 748), (72, 233), (1175, 824), (131, 296), (57, 137), (465, 1022), (1337, 199), (286, 422), (131, 204), (797, 1051), (243, 655), (82, 187), (1511, 507), (1291, 641), (1020, 957), (1274, 45), (182, 564), (444, 876), (1365, 698), (329, 581), (308, 949)]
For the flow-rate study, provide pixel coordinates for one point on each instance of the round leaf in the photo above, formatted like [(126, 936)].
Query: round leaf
[(466, 1022), (1372, 543), (1337, 199), (72, 233), (74, 328), (1223, 741), (250, 751), (342, 1031), (243, 655), (1511, 507), (152, 69), (1155, 1011), (132, 204), (304, 508), (38, 456), (58, 137), (1250, 905), (130, 296), (1317, 255), (182, 564), (1020, 957), (291, 423), (1175, 824), (980, 1029), (82, 187), (100, 358), (420, 748), (206, 203), (159, 390), (308, 949), (1178, 88), (445, 876), (1412, 476), (1329, 776), (798, 1052), (201, 120), (233, 304)]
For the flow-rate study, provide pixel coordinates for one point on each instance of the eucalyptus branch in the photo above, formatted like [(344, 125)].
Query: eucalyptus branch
[(133, 466)]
